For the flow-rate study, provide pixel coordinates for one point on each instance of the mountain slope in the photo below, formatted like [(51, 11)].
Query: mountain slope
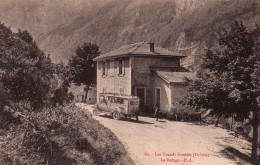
[(186, 26)]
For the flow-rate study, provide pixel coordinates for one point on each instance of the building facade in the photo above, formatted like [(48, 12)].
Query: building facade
[(152, 73)]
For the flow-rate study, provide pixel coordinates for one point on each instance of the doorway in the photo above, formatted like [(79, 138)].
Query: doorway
[(140, 93), (158, 96)]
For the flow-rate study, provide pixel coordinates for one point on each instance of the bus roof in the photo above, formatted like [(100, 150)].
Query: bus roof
[(118, 95)]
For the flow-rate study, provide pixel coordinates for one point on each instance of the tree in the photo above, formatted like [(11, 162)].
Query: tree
[(25, 36), (82, 68), (60, 93), (26, 72), (231, 86), (208, 92)]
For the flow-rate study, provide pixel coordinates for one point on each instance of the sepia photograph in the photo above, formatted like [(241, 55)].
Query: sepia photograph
[(129, 82)]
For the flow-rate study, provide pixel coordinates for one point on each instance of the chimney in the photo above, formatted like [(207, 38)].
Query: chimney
[(151, 47)]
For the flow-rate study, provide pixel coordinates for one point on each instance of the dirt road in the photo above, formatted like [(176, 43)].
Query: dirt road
[(151, 142)]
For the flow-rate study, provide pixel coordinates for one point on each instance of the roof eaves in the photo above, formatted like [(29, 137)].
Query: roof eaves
[(155, 55), (171, 69), (109, 57), (160, 76)]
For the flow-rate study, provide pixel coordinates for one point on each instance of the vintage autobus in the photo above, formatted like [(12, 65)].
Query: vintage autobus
[(118, 105)]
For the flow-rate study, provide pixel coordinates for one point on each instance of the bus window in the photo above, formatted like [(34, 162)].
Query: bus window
[(111, 99), (133, 103), (101, 99), (121, 101), (118, 100), (106, 100)]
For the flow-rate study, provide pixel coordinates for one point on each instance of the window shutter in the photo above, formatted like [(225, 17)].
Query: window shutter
[(121, 90), (108, 66), (103, 68), (123, 66), (120, 67), (116, 66)]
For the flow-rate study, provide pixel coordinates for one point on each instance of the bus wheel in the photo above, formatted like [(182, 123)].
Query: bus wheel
[(116, 115)]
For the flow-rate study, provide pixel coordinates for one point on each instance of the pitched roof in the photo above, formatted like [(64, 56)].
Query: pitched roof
[(173, 74), (141, 48)]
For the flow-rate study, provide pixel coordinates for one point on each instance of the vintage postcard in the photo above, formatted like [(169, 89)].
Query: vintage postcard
[(145, 82)]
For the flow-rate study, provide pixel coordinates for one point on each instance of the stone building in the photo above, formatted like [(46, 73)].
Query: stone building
[(152, 73)]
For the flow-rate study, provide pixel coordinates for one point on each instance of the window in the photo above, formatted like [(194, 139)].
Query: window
[(121, 101), (103, 65), (112, 99), (104, 89), (108, 66), (121, 67), (101, 99), (133, 102), (117, 100), (106, 99), (112, 68), (121, 90)]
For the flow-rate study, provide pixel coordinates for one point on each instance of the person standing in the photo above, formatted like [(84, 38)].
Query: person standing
[(136, 115), (157, 111)]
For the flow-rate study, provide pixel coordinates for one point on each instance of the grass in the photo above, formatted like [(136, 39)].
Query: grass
[(59, 136)]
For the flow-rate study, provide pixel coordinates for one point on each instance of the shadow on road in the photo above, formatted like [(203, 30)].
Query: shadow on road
[(239, 156), (127, 120), (199, 123), (161, 121)]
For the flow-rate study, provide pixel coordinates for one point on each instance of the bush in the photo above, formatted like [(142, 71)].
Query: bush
[(61, 136)]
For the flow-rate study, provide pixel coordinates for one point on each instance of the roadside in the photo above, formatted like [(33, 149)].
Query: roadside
[(64, 136), (173, 142)]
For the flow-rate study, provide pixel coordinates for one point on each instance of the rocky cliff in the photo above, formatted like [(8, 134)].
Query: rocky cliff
[(186, 26)]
